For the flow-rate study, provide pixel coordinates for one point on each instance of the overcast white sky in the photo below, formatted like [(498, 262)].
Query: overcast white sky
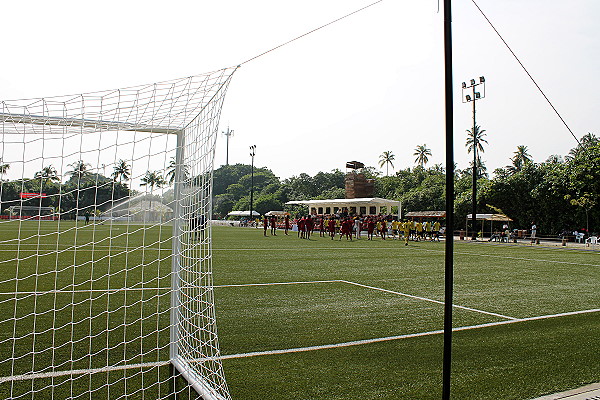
[(370, 83)]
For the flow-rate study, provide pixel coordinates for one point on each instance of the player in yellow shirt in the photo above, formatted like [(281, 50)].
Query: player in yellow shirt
[(436, 231), (428, 230), (395, 225), (406, 229), (419, 231)]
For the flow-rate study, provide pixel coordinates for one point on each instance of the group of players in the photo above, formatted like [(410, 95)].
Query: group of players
[(352, 227)]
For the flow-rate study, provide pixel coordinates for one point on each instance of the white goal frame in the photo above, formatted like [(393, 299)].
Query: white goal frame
[(193, 117)]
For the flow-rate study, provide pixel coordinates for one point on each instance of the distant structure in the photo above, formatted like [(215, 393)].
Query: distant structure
[(359, 198), (357, 185)]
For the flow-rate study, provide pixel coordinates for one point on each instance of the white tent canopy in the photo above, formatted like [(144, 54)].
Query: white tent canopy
[(277, 213), (243, 214), (365, 205)]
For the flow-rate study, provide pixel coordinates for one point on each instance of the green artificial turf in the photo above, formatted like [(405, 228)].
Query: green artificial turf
[(517, 361), (325, 306)]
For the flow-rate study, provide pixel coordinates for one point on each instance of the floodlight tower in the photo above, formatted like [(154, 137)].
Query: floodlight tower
[(227, 134), (252, 154), (472, 97)]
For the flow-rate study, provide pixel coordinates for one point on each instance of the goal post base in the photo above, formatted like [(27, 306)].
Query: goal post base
[(178, 367)]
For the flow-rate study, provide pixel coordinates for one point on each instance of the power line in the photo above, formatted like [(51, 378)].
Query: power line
[(525, 69), (314, 30)]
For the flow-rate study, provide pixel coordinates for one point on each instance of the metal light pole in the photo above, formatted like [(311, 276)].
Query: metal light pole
[(252, 154), (472, 98), (227, 135), (449, 245)]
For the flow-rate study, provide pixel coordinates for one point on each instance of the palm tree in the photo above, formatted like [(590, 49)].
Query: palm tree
[(172, 170), (477, 138), (520, 159), (585, 142), (422, 153), (153, 179), (80, 169), (47, 175), (481, 168), (121, 171), (386, 159)]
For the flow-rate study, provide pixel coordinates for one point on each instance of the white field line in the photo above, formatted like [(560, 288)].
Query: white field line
[(280, 283), (464, 253), (40, 375), (161, 288), (430, 300), (407, 336), (272, 284), (83, 291), (288, 351), (529, 259), (85, 247), (24, 247), (373, 288), (416, 249)]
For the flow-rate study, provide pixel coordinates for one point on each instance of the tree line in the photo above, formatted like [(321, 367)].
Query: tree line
[(82, 192), (560, 193)]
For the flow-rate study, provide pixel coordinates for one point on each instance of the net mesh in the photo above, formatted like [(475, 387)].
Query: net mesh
[(105, 243)]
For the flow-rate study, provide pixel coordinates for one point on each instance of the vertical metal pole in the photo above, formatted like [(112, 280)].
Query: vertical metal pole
[(474, 209), (176, 256), (449, 253), (227, 153), (227, 134), (252, 182)]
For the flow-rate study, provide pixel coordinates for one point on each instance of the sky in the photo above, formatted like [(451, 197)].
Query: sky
[(370, 83)]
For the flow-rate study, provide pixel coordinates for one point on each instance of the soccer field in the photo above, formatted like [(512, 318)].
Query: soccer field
[(316, 319), (325, 319)]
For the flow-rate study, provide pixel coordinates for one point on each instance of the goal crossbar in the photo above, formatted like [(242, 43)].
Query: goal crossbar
[(100, 125)]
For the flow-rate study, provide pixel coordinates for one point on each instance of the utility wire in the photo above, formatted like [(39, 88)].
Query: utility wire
[(527, 72), (308, 33)]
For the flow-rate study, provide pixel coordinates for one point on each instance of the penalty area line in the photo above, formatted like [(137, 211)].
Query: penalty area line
[(372, 288), (429, 300)]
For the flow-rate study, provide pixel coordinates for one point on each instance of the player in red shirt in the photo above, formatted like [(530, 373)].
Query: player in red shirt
[(301, 227), (265, 225), (321, 227), (286, 223), (370, 228), (331, 227), (349, 223), (310, 225), (342, 229)]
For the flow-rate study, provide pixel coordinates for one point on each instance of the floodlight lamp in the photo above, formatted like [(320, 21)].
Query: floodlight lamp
[(481, 79), (472, 81), (468, 97), (464, 85), (477, 95)]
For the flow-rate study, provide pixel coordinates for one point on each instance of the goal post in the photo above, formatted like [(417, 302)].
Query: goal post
[(114, 290)]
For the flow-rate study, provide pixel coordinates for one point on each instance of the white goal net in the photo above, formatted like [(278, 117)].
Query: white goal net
[(105, 243)]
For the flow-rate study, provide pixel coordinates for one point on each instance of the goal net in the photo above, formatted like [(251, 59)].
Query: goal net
[(105, 243)]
